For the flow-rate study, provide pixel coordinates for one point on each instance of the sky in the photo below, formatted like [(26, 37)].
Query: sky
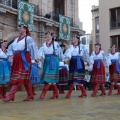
[(85, 14)]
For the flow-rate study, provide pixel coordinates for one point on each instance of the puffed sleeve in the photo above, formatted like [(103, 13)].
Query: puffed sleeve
[(41, 52), (33, 49), (92, 58), (119, 57), (10, 50), (60, 54), (109, 60), (104, 59), (86, 55), (68, 52)]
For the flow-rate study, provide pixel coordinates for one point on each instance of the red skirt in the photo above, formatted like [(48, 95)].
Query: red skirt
[(114, 75), (98, 75), (18, 73)]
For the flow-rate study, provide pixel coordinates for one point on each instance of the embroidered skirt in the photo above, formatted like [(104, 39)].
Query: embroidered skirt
[(98, 74), (50, 73), (114, 75), (76, 74), (63, 76), (18, 72), (4, 72), (34, 75)]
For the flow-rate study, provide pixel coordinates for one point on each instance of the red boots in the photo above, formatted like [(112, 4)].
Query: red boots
[(45, 89), (70, 91), (55, 91), (28, 88), (110, 90), (95, 88), (61, 90), (84, 94), (103, 90), (11, 94), (118, 89)]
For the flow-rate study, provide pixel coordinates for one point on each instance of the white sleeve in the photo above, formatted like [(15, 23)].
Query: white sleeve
[(68, 52), (92, 58), (105, 59), (108, 60), (86, 55)]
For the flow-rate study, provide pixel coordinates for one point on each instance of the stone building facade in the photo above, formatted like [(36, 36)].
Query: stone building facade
[(95, 26), (109, 21), (42, 10)]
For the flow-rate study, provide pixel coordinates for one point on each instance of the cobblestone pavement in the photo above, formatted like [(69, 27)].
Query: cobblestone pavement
[(75, 108)]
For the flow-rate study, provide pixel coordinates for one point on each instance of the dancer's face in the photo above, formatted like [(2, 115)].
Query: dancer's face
[(21, 29), (74, 40), (4, 44), (48, 37), (97, 47)]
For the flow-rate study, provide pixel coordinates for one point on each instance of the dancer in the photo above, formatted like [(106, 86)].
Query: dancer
[(77, 54), (50, 50), (23, 50), (98, 59), (114, 69), (4, 69)]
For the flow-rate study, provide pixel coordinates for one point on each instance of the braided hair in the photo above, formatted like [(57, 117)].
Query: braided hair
[(52, 34)]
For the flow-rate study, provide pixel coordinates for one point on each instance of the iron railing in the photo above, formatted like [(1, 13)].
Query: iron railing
[(6, 2), (115, 25), (13, 4)]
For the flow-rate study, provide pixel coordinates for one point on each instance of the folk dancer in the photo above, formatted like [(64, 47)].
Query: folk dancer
[(77, 54), (23, 50), (50, 52)]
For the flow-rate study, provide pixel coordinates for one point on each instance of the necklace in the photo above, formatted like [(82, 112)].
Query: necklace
[(97, 52)]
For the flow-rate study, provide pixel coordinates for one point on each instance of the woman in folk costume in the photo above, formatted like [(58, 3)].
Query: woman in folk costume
[(114, 69), (4, 68), (23, 50), (35, 75), (77, 53), (98, 59), (50, 50)]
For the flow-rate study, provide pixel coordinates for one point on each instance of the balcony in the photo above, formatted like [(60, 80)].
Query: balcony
[(13, 4), (6, 2), (115, 25)]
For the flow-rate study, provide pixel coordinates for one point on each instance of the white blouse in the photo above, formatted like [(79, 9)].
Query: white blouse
[(3, 54), (101, 56), (115, 56), (74, 51), (45, 50), (20, 46)]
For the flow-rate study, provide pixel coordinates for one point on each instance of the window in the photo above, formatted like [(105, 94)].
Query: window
[(83, 40), (58, 9), (97, 25), (115, 40), (115, 18)]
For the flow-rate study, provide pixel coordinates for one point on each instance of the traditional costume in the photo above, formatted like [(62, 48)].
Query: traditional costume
[(77, 55), (114, 70), (50, 73), (98, 73), (4, 71), (23, 50)]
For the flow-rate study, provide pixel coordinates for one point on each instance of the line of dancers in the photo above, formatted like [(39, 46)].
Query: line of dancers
[(20, 64)]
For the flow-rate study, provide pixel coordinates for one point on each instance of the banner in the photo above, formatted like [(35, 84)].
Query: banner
[(64, 29), (25, 14)]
